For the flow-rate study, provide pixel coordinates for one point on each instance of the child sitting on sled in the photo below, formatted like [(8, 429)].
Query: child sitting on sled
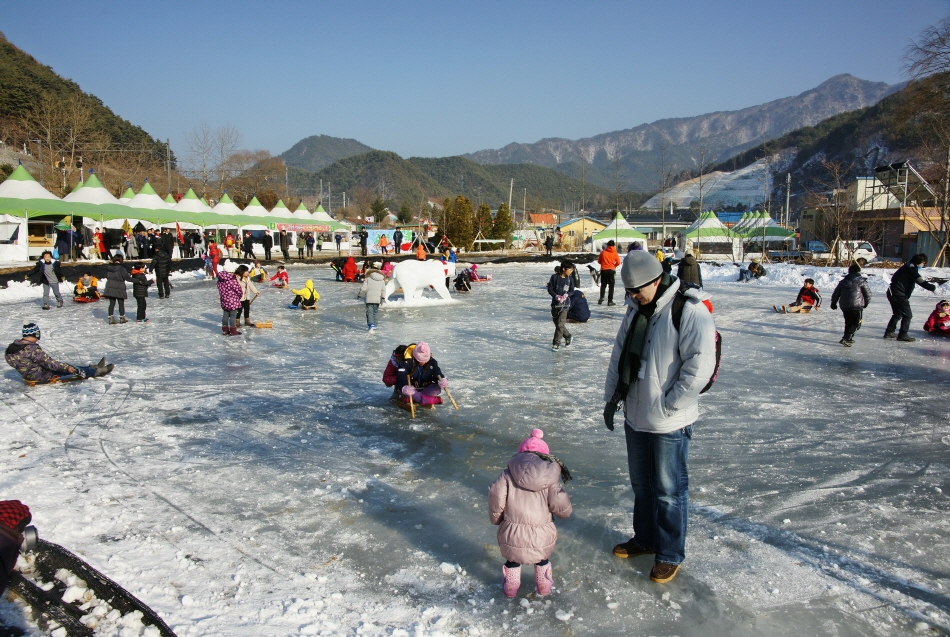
[(419, 378), (306, 297), (938, 323), (808, 299), (281, 279), (87, 288)]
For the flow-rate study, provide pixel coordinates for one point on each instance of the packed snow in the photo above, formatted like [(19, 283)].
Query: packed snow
[(264, 484)]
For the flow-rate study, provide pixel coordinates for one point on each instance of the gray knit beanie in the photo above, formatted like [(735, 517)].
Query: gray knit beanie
[(640, 268)]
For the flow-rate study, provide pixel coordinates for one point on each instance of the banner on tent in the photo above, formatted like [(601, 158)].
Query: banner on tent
[(301, 227)]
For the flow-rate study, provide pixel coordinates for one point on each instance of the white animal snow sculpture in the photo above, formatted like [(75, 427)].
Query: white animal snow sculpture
[(415, 276)]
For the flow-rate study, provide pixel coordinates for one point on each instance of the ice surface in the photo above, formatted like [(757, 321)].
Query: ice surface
[(264, 485)]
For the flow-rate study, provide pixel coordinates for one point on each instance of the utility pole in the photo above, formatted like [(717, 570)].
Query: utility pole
[(524, 206), (286, 183), (788, 196), (510, 189), (168, 164)]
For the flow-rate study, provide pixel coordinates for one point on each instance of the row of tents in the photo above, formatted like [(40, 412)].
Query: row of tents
[(707, 233), (23, 199)]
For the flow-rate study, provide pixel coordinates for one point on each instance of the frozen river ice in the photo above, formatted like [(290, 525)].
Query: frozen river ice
[(264, 485)]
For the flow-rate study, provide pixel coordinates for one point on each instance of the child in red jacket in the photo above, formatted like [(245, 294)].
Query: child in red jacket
[(282, 279), (938, 323), (808, 299)]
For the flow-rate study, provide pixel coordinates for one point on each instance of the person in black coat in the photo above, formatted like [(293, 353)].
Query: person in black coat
[(167, 242), (853, 295), (419, 378), (561, 287), (548, 245), (140, 285), (247, 246), (689, 270), (285, 244), (397, 241), (116, 278), (898, 293), (364, 236), (162, 266), (268, 244), (47, 273)]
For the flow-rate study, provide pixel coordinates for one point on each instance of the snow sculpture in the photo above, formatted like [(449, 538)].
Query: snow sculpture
[(415, 276)]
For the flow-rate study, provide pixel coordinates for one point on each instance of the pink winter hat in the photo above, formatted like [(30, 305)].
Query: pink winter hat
[(534, 443), (422, 353)]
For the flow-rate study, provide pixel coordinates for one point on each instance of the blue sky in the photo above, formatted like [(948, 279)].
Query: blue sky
[(444, 78)]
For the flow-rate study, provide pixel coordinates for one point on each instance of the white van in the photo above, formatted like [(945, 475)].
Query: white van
[(858, 251)]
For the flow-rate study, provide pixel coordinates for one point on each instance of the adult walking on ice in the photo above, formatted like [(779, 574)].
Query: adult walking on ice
[(609, 261), (36, 366), (657, 370), (560, 287), (46, 272), (116, 278), (285, 244), (268, 244), (898, 293)]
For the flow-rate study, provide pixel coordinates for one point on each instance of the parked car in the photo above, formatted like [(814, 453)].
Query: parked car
[(858, 251)]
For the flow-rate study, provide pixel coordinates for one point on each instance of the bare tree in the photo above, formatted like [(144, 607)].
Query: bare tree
[(227, 141), (829, 196), (665, 170)]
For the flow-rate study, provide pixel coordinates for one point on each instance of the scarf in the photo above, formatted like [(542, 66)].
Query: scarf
[(630, 360), (565, 474)]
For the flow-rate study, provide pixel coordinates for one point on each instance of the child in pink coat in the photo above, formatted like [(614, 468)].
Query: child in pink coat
[(521, 502)]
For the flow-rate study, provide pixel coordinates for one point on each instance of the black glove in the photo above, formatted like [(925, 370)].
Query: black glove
[(834, 307), (609, 410)]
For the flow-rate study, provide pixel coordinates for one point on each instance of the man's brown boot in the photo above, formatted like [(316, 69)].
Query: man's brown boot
[(663, 573), (630, 548)]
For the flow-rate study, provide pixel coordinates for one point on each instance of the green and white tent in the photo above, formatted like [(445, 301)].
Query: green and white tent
[(708, 236), (302, 215), (127, 196), (170, 199), (92, 192), (21, 185), (281, 211), (618, 231), (321, 215), (762, 227)]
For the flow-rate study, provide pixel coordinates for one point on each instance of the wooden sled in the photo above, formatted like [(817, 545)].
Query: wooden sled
[(84, 299), (308, 307), (263, 324), (52, 381), (404, 404), (794, 309), (481, 279)]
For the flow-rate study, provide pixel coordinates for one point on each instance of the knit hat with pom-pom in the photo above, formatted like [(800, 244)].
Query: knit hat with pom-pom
[(422, 353), (534, 443)]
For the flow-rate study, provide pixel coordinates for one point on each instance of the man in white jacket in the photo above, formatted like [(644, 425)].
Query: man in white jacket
[(657, 370)]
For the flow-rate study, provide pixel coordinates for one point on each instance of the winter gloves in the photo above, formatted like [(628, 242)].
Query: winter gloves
[(609, 410), (443, 383), (408, 391)]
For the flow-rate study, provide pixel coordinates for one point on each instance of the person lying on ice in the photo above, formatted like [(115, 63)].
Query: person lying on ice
[(305, 296), (939, 322), (808, 299), (419, 378), (27, 357), (87, 287)]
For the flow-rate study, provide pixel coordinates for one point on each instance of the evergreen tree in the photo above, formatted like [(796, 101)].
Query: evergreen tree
[(379, 209), (503, 226), (458, 222), (405, 213), (483, 220)]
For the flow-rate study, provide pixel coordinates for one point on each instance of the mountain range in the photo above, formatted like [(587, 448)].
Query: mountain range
[(635, 153)]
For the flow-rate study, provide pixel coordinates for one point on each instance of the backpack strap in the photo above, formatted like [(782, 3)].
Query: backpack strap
[(680, 301)]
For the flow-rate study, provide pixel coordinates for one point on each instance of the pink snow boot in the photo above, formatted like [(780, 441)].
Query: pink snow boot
[(512, 581), (543, 579)]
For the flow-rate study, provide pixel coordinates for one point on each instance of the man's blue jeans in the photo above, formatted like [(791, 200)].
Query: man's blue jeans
[(660, 481), (745, 275)]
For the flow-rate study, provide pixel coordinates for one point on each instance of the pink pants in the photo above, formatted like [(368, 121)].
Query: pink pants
[(428, 395)]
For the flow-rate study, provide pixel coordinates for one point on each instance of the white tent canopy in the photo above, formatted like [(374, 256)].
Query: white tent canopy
[(147, 199), (21, 185), (191, 203), (711, 239), (92, 192)]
